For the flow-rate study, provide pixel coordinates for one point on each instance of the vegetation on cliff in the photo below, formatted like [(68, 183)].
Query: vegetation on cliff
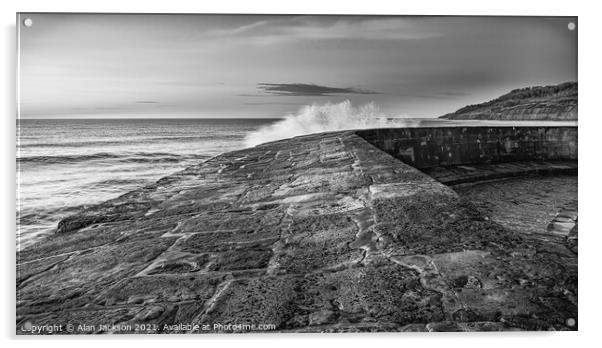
[(555, 102)]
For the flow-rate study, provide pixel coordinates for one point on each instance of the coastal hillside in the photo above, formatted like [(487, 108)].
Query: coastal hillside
[(552, 103)]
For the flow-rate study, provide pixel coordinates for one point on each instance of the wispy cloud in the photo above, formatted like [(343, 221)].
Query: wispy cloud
[(239, 30), (302, 90), (324, 28)]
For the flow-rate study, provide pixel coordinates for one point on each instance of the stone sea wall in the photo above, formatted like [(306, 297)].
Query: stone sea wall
[(317, 233), (446, 146)]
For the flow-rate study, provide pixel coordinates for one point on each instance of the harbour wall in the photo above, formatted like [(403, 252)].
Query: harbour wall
[(432, 147)]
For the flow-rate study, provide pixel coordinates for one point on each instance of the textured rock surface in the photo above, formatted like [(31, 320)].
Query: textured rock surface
[(558, 102), (321, 233), (526, 204)]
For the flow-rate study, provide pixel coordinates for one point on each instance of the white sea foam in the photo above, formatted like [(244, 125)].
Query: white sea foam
[(321, 118)]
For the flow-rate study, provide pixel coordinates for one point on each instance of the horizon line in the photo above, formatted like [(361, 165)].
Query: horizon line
[(149, 118)]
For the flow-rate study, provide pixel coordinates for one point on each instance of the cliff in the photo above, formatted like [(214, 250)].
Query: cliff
[(553, 103), (324, 232)]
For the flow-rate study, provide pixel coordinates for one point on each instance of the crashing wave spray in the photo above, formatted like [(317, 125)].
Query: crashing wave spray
[(321, 118)]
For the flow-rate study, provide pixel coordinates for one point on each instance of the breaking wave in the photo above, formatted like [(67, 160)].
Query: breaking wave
[(136, 157), (321, 118)]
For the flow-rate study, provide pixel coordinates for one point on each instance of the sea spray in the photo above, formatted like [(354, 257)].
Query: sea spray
[(321, 118)]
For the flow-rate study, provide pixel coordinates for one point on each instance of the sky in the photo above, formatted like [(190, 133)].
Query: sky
[(254, 66)]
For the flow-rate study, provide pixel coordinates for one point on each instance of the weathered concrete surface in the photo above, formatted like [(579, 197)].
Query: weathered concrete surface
[(541, 205), (316, 233)]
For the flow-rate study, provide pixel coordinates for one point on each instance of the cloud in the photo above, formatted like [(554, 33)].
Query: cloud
[(302, 89), (238, 30), (332, 28)]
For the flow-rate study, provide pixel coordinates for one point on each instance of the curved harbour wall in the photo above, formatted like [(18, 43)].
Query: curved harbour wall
[(318, 233), (448, 146)]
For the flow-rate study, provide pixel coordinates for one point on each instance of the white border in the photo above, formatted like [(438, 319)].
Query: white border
[(589, 192)]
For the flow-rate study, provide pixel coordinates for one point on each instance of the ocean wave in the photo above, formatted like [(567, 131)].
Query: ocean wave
[(72, 144), (321, 118), (175, 138), (196, 137), (138, 157), (120, 182)]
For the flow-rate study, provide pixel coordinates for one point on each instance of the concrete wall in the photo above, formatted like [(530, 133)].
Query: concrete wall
[(446, 146)]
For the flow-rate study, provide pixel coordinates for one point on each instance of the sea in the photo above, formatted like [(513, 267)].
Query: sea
[(64, 165)]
